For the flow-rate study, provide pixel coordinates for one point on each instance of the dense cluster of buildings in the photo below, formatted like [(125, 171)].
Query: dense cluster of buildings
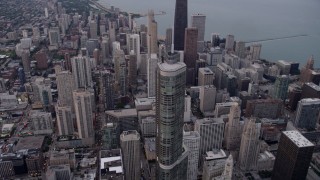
[(97, 96)]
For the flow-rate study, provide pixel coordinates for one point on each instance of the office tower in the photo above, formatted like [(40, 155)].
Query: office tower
[(151, 73), (93, 29), (112, 31), (293, 156), (215, 40), (249, 148), (191, 139), (41, 122), (83, 109), (107, 89), (280, 90), (310, 90), (61, 172), (240, 49), (307, 114), (168, 42), (67, 62), (22, 77), (65, 87), (25, 57), (207, 96), (96, 58), (46, 13), (187, 109), (294, 96), (214, 162), (264, 108), (205, 77), (54, 36), (152, 34), (120, 71), (81, 71), (64, 120), (153, 38), (229, 42), (232, 133), (190, 53), (132, 74), (144, 41), (255, 51), (308, 73), (91, 45), (42, 91), (172, 155), (180, 23), (211, 132), (199, 21), (134, 45), (130, 147), (105, 51)]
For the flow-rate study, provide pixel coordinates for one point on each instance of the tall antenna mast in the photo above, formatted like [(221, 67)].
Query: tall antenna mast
[(172, 40)]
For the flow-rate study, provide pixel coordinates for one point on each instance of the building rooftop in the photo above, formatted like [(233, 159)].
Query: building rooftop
[(111, 164), (205, 70), (215, 154), (130, 135), (30, 142), (314, 86), (297, 138), (171, 67), (150, 148), (310, 101), (122, 113)]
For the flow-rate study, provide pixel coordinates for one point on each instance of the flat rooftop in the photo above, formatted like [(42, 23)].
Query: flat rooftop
[(297, 138), (122, 112), (150, 148), (215, 154), (29, 142)]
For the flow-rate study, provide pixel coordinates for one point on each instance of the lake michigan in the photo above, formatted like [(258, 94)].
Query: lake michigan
[(248, 20)]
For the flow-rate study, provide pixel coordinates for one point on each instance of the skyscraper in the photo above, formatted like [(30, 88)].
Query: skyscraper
[(280, 90), (180, 23), (240, 49), (134, 45), (199, 21), (307, 114), (64, 120), (132, 74), (192, 140), (25, 56), (81, 71), (54, 36), (190, 53), (120, 71), (249, 148), (65, 86), (293, 156), (229, 42), (107, 89), (172, 155), (232, 129), (205, 76), (130, 146), (211, 132), (152, 33), (93, 29), (151, 74), (168, 38), (83, 110)]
